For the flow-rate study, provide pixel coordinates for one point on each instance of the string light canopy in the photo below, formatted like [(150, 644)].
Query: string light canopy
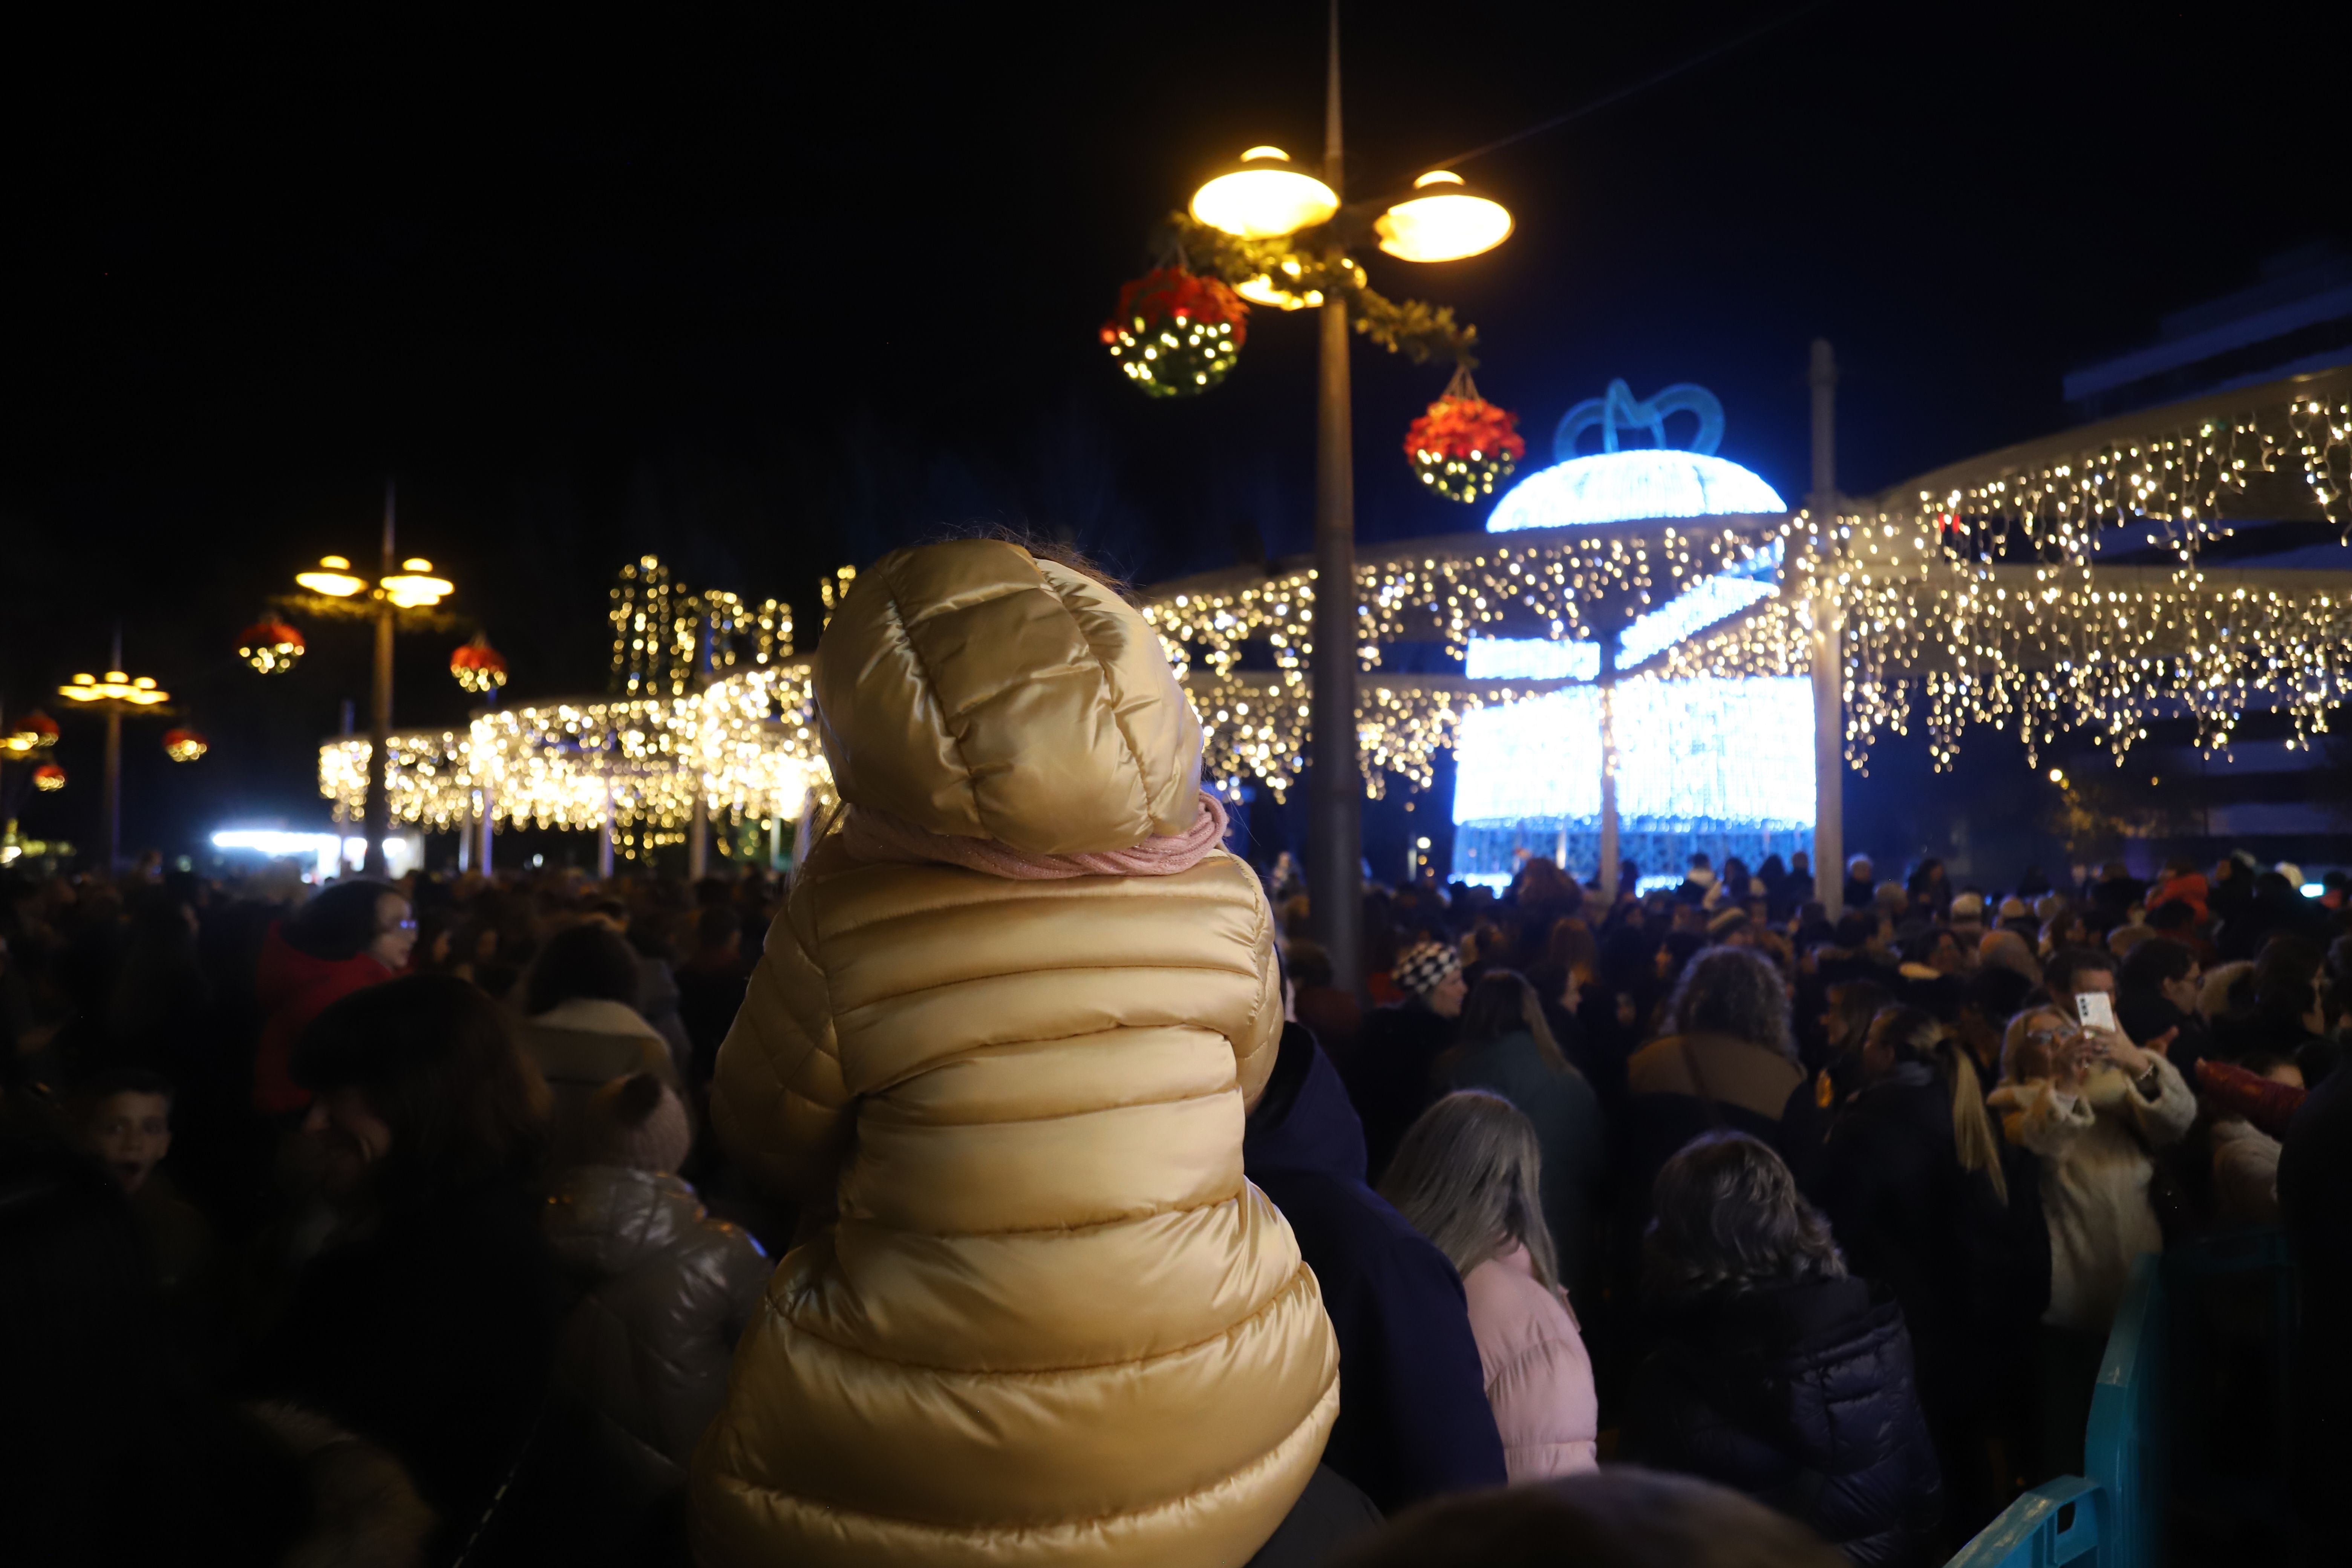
[(184, 745), (2096, 581), (747, 742), (49, 778)]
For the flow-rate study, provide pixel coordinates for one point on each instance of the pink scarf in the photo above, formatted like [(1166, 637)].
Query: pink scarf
[(870, 835)]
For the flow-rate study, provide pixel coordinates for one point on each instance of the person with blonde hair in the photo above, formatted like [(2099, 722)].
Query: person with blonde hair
[(1506, 1049), (1000, 1046), (1468, 1175), (2094, 1109)]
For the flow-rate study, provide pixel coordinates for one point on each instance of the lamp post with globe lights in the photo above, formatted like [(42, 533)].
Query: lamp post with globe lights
[(1280, 234), (397, 587), (114, 694)]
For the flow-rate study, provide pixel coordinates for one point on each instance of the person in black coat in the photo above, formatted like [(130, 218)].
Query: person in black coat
[(1414, 1421), (428, 1321), (1390, 1070), (2156, 999), (1914, 1179), (2315, 1190), (1772, 1370)]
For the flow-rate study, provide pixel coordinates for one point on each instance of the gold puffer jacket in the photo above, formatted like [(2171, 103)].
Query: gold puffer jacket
[(1051, 1323)]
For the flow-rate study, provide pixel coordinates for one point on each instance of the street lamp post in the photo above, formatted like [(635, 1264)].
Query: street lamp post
[(410, 586), (1265, 199), (118, 694), (1334, 823)]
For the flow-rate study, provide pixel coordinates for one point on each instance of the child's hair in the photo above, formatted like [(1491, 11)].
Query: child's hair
[(95, 1091)]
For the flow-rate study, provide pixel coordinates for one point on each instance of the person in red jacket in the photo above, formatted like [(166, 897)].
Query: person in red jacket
[(355, 934)]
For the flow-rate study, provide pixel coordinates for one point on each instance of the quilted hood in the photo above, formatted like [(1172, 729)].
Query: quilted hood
[(974, 689)]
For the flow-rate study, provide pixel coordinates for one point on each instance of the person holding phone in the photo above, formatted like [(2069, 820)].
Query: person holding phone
[(2094, 1109)]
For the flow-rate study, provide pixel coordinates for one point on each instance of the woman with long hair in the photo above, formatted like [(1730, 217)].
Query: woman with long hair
[(2093, 1107), (1468, 1175), (1773, 1370), (1917, 1191), (1505, 1048)]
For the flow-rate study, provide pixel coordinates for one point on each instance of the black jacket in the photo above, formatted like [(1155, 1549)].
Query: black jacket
[(1802, 1397), (2314, 1188), (429, 1332), (1389, 1075), (1413, 1417), (1962, 1264)]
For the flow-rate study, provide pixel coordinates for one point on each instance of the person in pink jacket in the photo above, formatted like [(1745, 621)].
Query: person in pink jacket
[(1466, 1175)]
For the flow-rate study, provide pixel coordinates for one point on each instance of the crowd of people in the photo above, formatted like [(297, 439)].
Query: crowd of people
[(1017, 1185)]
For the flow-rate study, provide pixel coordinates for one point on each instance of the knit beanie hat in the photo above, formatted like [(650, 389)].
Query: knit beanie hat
[(1426, 965), (638, 1123)]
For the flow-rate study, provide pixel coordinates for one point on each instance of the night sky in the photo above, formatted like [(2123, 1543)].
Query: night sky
[(763, 290)]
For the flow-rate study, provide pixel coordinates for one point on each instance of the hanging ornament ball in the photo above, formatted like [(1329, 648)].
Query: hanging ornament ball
[(270, 647), (33, 732), (48, 777), (184, 745), (1464, 444), (1176, 334), (479, 667)]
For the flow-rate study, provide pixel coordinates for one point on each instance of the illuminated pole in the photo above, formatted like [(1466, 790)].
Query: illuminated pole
[(378, 816), (1335, 819), (1609, 855), (489, 816), (1828, 652), (109, 822), (698, 827)]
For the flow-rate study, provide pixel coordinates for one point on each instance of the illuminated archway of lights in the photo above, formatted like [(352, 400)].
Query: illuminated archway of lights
[(1985, 603), (747, 742)]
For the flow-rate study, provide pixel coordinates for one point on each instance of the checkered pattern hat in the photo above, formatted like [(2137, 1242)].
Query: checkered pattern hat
[(1424, 966)]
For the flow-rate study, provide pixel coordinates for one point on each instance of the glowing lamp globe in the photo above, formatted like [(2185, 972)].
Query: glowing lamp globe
[(333, 578), (49, 778), (1447, 223), (479, 667), (414, 586), (184, 745), (272, 647), (1176, 334), (1264, 197)]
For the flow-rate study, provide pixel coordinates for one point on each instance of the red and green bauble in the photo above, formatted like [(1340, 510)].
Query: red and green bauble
[(270, 647), (479, 667), (1464, 446), (1176, 334)]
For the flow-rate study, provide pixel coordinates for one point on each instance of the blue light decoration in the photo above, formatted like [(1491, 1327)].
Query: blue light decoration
[(1723, 766)]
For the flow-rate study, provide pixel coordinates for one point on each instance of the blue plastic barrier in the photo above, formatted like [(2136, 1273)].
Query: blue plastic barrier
[(2113, 1517)]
